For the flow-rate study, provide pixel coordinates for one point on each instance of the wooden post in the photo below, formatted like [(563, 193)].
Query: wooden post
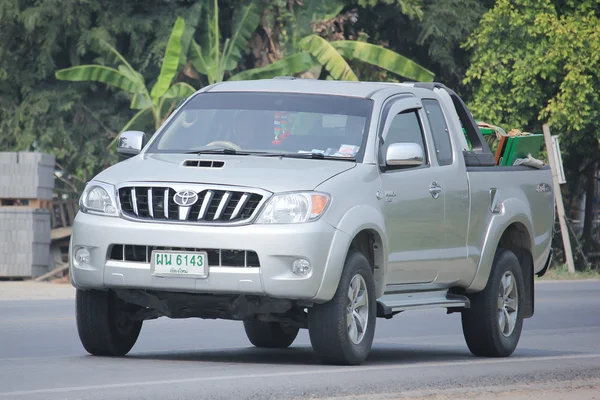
[(559, 200)]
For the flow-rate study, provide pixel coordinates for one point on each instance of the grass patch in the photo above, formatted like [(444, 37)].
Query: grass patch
[(560, 272)]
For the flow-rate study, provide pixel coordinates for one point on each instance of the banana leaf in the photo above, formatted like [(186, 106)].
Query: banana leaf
[(170, 63), (99, 73), (328, 57), (288, 66), (245, 22), (382, 58)]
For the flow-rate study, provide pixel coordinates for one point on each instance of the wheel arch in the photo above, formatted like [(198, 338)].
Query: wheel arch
[(516, 236), (369, 242), (363, 229)]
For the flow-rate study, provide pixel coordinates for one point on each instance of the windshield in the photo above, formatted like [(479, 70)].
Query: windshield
[(271, 123)]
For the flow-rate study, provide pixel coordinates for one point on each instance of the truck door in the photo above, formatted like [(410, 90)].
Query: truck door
[(413, 207), (451, 175)]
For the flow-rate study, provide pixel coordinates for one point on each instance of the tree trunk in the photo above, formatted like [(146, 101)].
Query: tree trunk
[(588, 221)]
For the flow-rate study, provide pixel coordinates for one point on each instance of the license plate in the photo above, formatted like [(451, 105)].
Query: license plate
[(180, 263)]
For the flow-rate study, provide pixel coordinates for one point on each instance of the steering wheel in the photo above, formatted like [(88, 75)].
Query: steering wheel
[(225, 144)]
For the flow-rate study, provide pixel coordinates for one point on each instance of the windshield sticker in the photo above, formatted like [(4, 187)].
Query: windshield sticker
[(348, 150), (313, 151)]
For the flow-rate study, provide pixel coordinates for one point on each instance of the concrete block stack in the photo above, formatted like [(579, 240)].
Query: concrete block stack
[(26, 186), (26, 175)]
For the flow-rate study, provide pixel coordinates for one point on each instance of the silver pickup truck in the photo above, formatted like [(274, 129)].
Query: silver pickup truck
[(291, 203)]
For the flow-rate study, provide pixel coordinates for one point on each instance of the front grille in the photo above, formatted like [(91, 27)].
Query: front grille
[(212, 205), (216, 257)]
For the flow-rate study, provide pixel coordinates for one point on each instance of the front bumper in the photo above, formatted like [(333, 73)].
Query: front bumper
[(277, 246)]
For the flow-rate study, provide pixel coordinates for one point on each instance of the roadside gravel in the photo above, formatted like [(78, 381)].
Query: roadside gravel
[(565, 390)]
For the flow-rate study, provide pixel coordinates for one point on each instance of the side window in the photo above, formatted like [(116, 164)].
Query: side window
[(439, 130), (405, 128)]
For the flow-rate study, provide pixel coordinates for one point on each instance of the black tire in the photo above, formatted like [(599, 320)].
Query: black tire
[(481, 322), (269, 334), (104, 323), (327, 323)]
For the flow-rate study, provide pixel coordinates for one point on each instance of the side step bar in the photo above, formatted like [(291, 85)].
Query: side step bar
[(389, 305)]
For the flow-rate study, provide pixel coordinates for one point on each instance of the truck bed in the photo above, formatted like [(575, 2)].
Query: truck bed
[(526, 190)]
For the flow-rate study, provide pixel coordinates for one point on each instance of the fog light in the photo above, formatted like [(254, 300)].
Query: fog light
[(301, 267), (82, 256)]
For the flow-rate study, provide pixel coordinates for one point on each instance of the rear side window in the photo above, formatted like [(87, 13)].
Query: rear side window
[(439, 130)]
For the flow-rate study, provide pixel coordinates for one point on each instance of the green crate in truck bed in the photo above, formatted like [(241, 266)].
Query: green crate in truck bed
[(486, 131), (516, 146), (520, 147)]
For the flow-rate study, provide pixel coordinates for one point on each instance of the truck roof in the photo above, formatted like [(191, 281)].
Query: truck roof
[(312, 86)]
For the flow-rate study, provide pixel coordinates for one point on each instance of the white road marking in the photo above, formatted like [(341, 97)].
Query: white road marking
[(344, 370)]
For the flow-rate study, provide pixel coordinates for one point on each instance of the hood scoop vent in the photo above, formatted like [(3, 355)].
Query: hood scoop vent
[(203, 163)]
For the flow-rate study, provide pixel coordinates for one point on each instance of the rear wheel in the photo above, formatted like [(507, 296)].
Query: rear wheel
[(341, 331), (492, 325), (105, 324), (270, 334)]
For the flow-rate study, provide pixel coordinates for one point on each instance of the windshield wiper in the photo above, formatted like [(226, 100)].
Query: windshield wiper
[(317, 156), (219, 150), (229, 150)]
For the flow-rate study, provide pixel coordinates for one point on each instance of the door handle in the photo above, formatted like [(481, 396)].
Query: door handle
[(435, 189)]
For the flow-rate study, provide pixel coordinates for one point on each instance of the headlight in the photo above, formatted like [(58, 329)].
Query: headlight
[(98, 198), (294, 208)]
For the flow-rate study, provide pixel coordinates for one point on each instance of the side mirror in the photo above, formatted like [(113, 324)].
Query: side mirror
[(408, 154), (130, 143)]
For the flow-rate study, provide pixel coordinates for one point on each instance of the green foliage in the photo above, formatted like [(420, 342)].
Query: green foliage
[(212, 57), (432, 41), (334, 56), (410, 8), (291, 65), (446, 24), (538, 61), (305, 14), (328, 57), (128, 79), (535, 62), (382, 58), (99, 73), (170, 63), (77, 120)]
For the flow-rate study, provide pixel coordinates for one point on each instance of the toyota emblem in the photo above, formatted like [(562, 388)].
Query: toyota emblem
[(185, 198)]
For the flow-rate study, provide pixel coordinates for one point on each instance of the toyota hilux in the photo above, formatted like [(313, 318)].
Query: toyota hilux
[(291, 204)]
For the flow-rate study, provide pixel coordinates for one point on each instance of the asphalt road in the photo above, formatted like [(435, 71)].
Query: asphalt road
[(41, 356)]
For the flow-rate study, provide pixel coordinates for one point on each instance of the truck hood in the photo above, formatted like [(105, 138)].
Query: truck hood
[(273, 174)]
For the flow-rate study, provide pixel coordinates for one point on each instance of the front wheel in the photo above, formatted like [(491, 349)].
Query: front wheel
[(104, 323), (492, 325), (341, 331)]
